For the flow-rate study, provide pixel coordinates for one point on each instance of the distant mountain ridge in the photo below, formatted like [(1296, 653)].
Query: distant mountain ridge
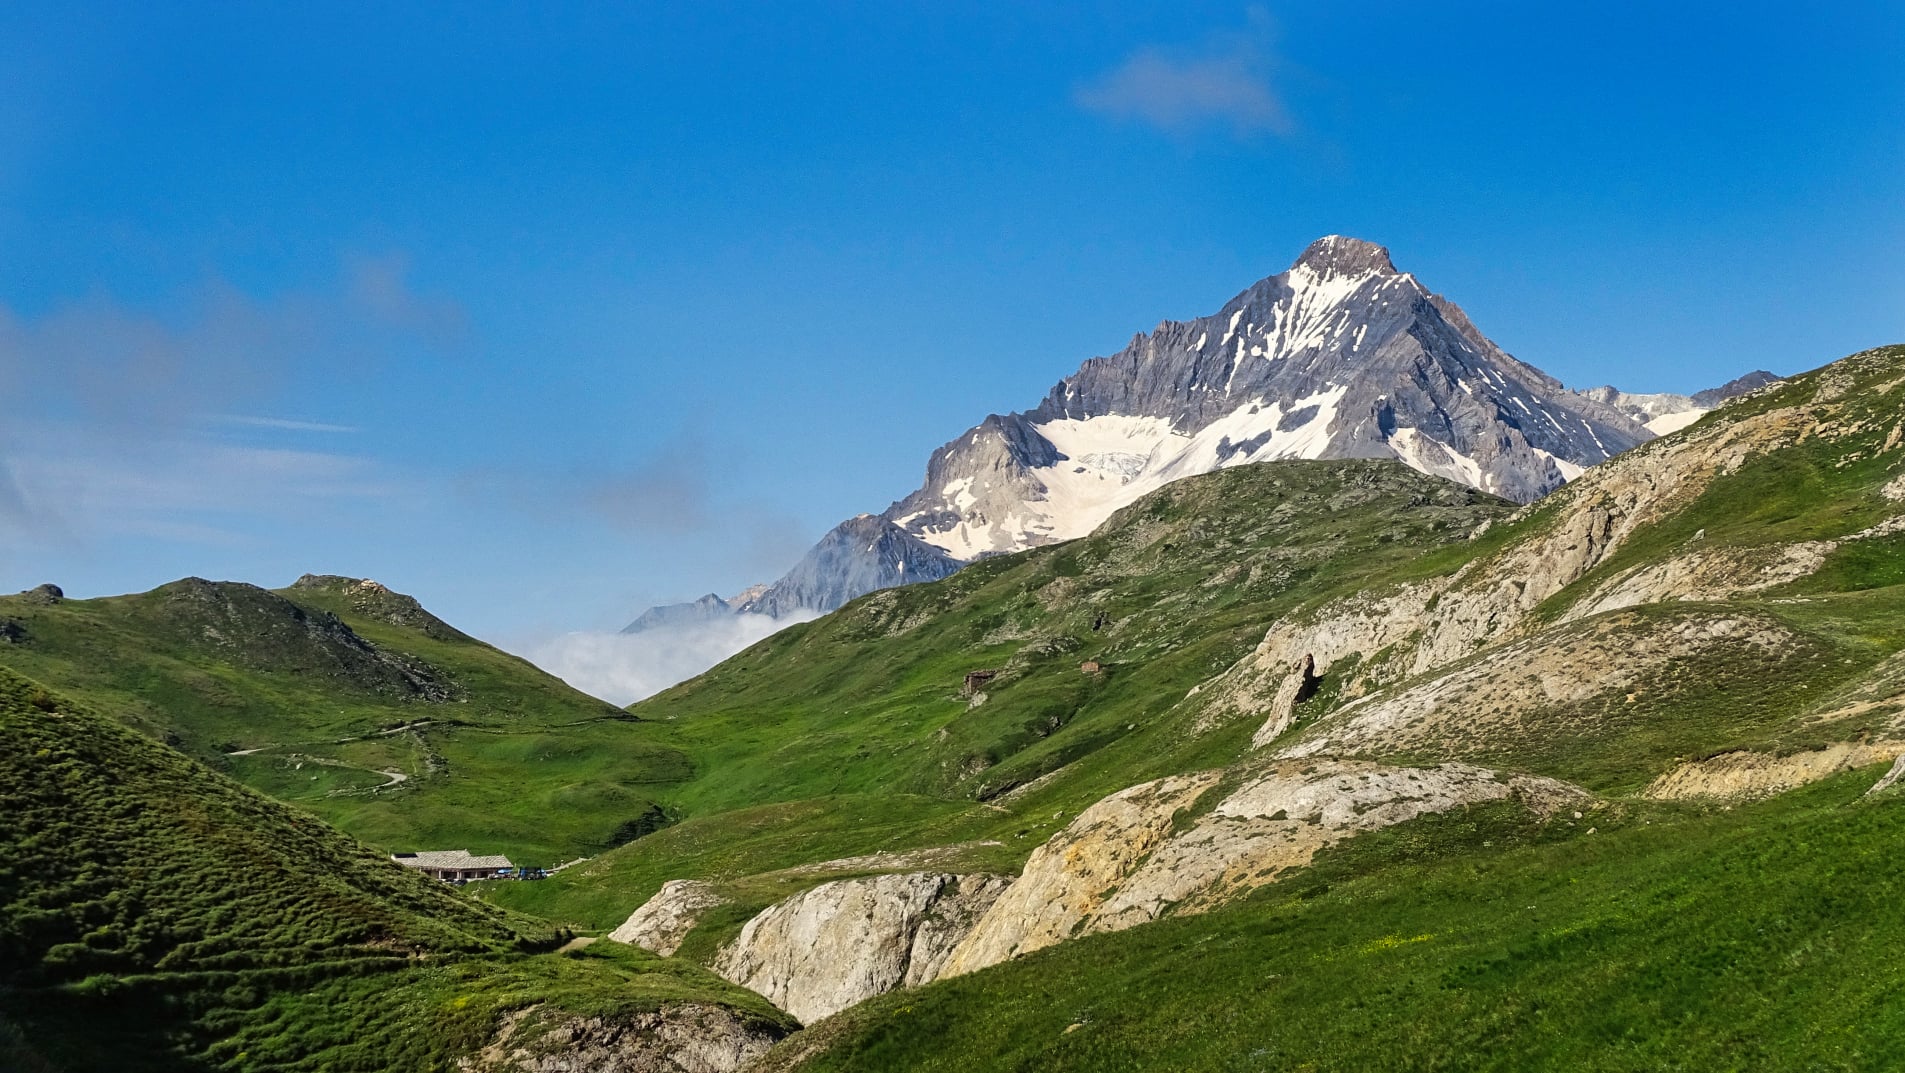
[(1340, 356), (709, 608), (1665, 411)]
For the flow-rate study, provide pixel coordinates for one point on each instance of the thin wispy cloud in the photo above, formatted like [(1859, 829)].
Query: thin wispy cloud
[(176, 488), (1223, 82), (283, 424), (110, 413), (671, 491)]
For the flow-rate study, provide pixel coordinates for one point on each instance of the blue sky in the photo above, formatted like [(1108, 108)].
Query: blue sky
[(547, 313)]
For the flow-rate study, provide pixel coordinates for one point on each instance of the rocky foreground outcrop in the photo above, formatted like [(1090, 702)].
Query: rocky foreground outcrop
[(844, 942), (1132, 858), (1147, 851), (680, 1038), (664, 920)]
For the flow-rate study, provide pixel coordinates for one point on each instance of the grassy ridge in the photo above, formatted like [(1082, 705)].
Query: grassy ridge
[(155, 915), (313, 682)]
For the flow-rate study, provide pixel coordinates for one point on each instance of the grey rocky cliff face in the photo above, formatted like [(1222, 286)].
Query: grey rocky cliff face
[(709, 608), (1341, 356)]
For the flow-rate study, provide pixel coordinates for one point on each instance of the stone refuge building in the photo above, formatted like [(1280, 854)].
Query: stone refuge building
[(452, 865)]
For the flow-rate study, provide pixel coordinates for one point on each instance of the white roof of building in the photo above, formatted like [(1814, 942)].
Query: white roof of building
[(451, 858)]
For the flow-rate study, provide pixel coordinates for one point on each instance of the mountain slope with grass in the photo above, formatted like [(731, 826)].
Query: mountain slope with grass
[(1711, 619), (1758, 938), (355, 702), (1316, 726), (155, 915), (860, 732)]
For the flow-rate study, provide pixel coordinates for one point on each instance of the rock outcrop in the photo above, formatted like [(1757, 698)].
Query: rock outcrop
[(46, 595), (679, 1038), (1746, 776), (1377, 638), (1527, 688), (374, 600), (1067, 879), (1131, 858), (844, 942), (664, 920)]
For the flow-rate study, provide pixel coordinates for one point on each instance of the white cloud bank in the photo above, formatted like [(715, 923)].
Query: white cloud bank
[(622, 668)]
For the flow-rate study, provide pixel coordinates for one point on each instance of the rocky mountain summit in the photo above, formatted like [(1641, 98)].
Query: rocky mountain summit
[(1341, 356)]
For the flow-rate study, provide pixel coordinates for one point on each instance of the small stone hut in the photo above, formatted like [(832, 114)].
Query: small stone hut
[(453, 865)]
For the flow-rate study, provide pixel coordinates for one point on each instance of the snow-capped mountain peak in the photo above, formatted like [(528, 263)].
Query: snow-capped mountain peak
[(1340, 356)]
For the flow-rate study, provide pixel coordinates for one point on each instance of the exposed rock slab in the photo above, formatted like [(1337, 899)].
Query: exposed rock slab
[(1745, 776), (1125, 861), (682, 1038), (1280, 820), (1067, 879), (1513, 691), (1711, 574), (665, 920), (844, 942)]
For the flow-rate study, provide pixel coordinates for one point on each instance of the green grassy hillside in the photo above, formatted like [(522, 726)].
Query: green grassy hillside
[(1761, 938), (850, 734), (353, 702), (155, 915), (1806, 472)]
